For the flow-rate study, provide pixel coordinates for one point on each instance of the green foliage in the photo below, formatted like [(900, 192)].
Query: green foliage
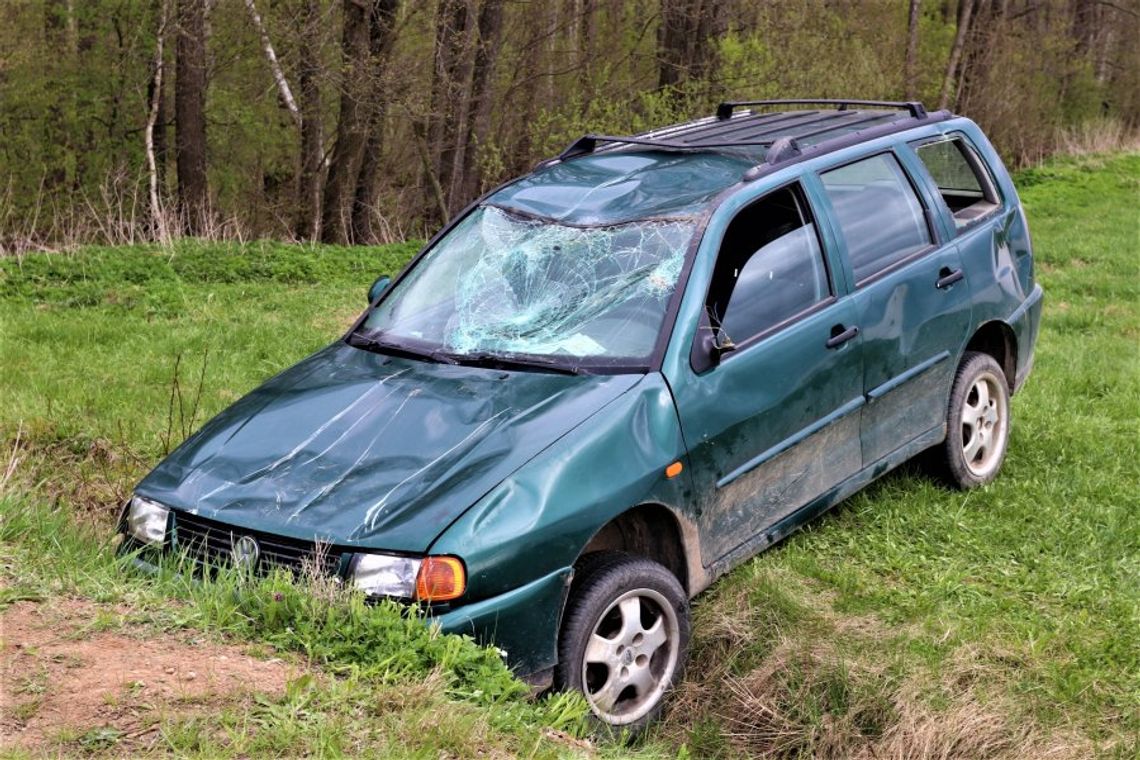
[(75, 79)]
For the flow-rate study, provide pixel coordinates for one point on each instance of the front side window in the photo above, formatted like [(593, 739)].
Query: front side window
[(962, 182), (878, 213), (507, 285), (769, 269)]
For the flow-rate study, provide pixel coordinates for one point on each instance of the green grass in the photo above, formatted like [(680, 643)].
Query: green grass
[(1005, 620)]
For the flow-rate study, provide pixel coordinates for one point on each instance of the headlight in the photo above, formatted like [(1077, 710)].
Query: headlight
[(384, 575), (431, 579), (146, 520)]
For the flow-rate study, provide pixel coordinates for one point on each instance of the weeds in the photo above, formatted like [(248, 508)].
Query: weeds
[(186, 423)]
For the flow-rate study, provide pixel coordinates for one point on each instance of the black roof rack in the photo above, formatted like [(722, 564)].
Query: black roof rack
[(782, 133), (917, 110)]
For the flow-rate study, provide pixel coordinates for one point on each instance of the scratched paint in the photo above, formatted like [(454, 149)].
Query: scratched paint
[(354, 447)]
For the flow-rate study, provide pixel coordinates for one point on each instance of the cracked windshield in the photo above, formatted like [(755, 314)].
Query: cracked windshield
[(504, 284)]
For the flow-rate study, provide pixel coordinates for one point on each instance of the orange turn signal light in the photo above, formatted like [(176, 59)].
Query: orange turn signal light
[(673, 470), (440, 579)]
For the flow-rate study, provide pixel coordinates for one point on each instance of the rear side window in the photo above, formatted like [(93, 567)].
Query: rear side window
[(962, 179), (770, 267), (878, 213)]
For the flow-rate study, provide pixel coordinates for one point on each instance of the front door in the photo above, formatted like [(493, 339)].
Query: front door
[(775, 423)]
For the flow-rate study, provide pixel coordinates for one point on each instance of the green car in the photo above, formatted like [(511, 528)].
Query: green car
[(610, 381)]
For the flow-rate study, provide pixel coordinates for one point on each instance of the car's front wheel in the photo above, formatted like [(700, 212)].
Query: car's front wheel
[(977, 423), (624, 638)]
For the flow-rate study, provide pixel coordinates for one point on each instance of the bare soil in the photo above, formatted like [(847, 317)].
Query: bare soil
[(63, 679)]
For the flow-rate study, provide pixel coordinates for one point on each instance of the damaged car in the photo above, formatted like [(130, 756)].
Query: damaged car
[(610, 381)]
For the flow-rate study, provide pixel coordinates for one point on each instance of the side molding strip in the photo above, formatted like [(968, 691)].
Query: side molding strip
[(911, 373), (791, 441)]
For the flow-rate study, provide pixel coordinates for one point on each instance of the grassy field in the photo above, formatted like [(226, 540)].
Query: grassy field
[(910, 621)]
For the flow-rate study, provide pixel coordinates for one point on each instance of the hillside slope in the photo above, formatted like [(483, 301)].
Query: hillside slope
[(910, 620)]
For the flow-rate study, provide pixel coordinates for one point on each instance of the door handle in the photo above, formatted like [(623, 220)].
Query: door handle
[(947, 277), (840, 335)]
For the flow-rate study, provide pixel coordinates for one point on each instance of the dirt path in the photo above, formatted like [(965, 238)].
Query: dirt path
[(65, 683)]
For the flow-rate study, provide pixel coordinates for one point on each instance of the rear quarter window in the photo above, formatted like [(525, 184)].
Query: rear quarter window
[(963, 180)]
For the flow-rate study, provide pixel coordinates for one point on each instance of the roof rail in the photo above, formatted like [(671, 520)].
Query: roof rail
[(785, 135), (588, 143), (917, 109)]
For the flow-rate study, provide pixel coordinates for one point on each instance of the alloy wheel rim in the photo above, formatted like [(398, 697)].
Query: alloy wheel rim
[(631, 656), (984, 421)]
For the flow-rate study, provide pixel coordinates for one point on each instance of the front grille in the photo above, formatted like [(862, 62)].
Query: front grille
[(209, 542)]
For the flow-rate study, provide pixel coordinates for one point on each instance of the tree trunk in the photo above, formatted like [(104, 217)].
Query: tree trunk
[(986, 27), (479, 105), (448, 86), (274, 66), (190, 115), (965, 12), (672, 42), (528, 79), (154, 111), (585, 42), (911, 85), (312, 133), (59, 34), (684, 49), (1084, 26), (381, 37), (351, 126)]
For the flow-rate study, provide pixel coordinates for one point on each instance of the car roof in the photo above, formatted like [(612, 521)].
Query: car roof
[(623, 185), (678, 170)]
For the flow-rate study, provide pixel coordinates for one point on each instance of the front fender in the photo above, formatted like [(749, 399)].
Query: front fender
[(536, 522)]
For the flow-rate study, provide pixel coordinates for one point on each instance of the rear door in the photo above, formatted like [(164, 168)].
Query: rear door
[(910, 294)]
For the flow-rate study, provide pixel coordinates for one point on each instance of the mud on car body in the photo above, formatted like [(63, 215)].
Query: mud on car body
[(613, 379)]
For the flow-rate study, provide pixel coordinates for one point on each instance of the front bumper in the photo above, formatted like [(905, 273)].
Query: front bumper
[(523, 623)]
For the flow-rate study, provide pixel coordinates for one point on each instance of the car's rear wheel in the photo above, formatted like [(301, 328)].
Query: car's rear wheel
[(624, 638), (977, 423)]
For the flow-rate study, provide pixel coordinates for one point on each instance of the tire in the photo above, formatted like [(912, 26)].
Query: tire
[(624, 639), (977, 424)]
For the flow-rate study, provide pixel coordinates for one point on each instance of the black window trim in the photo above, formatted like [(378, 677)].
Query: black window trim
[(768, 332), (797, 187), (931, 230), (981, 171)]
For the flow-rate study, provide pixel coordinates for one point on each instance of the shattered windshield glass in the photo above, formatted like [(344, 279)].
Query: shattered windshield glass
[(504, 284)]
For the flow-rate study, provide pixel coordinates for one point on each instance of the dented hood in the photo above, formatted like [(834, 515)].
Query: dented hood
[(355, 447)]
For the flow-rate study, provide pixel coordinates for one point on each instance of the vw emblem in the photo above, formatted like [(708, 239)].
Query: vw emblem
[(245, 552)]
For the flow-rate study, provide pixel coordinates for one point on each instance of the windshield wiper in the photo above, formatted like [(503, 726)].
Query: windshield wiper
[(498, 361), (375, 344), (481, 359)]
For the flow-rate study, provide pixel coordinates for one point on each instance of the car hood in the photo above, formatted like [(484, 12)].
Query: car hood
[(355, 447)]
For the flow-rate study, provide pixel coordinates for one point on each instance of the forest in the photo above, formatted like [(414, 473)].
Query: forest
[(369, 121)]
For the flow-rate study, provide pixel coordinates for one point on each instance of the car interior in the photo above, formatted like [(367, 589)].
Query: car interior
[(770, 267)]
